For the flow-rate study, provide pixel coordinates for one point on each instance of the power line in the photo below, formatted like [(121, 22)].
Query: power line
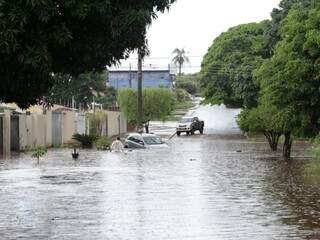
[(147, 58)]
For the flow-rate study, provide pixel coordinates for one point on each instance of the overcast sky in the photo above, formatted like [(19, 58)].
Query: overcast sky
[(194, 24)]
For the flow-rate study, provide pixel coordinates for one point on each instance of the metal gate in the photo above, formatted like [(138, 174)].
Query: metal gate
[(1, 136), (15, 145), (56, 129)]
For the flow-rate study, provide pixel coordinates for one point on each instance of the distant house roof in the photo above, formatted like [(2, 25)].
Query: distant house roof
[(11, 106), (59, 108), (7, 106)]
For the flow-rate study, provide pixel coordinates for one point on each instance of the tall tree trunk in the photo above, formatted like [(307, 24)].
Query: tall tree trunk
[(287, 146), (140, 101), (273, 140), (146, 126), (180, 69)]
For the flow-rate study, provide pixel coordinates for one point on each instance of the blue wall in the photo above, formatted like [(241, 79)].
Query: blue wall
[(150, 79)]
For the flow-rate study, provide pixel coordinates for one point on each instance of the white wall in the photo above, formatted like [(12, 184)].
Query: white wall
[(7, 133), (113, 123), (69, 126)]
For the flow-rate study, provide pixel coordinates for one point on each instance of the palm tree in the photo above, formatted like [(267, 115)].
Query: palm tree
[(180, 58)]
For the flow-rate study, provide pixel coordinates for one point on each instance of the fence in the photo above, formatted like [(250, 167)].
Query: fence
[(20, 130), (1, 136)]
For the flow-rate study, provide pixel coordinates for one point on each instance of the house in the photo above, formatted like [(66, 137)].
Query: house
[(21, 129), (120, 79)]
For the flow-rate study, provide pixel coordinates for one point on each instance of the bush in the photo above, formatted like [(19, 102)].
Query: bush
[(38, 152), (182, 95), (85, 140), (157, 104), (190, 83), (190, 87), (103, 143), (96, 122)]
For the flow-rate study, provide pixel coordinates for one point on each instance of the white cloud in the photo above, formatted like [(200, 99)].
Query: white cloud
[(194, 25)]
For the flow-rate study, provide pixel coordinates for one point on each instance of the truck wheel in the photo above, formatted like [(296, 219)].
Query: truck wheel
[(178, 134), (188, 133)]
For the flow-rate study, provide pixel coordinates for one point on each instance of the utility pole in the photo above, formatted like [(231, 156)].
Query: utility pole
[(140, 100)]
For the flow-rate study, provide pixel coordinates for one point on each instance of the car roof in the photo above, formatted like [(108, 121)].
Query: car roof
[(142, 135), (186, 117)]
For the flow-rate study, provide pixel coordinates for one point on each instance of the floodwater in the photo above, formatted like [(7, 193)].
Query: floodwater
[(215, 186)]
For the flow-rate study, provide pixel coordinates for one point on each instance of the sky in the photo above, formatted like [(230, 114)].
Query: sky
[(193, 25)]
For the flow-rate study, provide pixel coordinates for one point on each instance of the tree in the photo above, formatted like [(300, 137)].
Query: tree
[(189, 82), (290, 79), (157, 104), (180, 58), (39, 38), (82, 89), (38, 152), (262, 120), (273, 32), (227, 68)]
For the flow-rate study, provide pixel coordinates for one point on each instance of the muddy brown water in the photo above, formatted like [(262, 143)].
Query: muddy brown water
[(200, 187)]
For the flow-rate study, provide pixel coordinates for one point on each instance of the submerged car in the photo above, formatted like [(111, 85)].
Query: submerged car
[(189, 125), (136, 140)]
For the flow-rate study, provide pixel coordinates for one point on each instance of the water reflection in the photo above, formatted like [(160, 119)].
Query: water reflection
[(199, 188), (288, 183)]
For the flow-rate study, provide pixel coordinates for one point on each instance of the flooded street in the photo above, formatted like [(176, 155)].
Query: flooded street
[(215, 186)]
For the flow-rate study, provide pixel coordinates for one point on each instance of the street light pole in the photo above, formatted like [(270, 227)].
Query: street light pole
[(140, 100)]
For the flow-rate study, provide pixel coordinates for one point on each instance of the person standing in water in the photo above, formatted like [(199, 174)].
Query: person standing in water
[(117, 146)]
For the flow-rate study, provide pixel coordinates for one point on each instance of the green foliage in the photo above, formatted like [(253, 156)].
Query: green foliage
[(38, 152), (273, 32), (157, 104), (96, 122), (182, 95), (190, 83), (85, 140), (313, 169), (227, 68), (264, 120), (273, 64), (39, 38), (290, 78), (83, 89), (103, 143)]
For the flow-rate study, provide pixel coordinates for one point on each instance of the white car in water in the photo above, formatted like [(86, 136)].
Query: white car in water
[(144, 140)]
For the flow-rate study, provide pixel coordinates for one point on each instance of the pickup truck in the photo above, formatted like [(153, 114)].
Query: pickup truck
[(189, 125)]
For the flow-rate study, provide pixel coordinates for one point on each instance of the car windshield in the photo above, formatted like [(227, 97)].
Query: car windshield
[(152, 140), (186, 120)]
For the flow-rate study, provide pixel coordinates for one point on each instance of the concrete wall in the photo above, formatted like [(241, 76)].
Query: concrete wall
[(7, 133), (113, 123), (23, 131), (69, 126), (48, 121), (81, 123), (36, 129), (1, 136)]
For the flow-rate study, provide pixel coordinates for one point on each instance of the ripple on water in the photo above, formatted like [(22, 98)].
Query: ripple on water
[(160, 194)]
